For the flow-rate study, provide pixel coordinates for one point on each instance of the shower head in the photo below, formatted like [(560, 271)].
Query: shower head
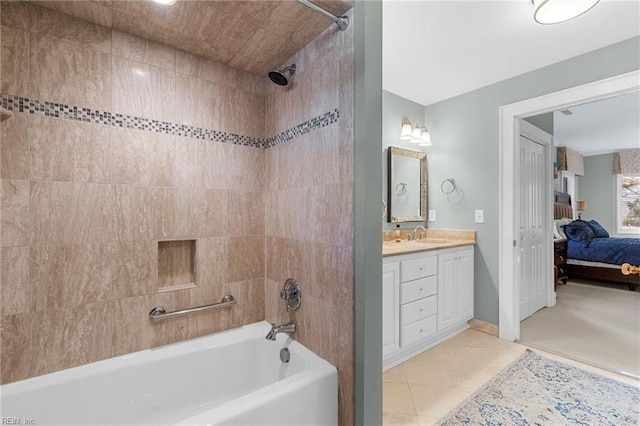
[(279, 77)]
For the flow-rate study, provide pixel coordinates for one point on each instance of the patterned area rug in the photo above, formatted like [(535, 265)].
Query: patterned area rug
[(535, 390)]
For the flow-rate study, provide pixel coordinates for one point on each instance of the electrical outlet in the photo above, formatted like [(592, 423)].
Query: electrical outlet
[(432, 215), (479, 216)]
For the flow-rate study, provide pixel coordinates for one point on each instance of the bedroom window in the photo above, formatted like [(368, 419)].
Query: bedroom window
[(628, 203)]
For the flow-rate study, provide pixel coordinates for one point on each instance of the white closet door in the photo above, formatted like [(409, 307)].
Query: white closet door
[(531, 227)]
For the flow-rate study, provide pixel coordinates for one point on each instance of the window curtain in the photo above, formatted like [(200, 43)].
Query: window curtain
[(626, 162), (570, 161)]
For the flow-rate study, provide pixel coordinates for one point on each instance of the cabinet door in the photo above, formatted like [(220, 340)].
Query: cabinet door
[(390, 308), (455, 288), (448, 294)]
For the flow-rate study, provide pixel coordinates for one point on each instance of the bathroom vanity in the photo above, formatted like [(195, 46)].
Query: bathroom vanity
[(427, 293)]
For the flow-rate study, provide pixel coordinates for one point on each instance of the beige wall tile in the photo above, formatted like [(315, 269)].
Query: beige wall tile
[(211, 261), (14, 212), (98, 12), (333, 220), (201, 213), (69, 73), (135, 268), (142, 50), (246, 258), (65, 338), (247, 114), (245, 168), (316, 329), (15, 15), (14, 147), (81, 151), (16, 350), (275, 310), (201, 163), (144, 213), (51, 24), (15, 61), (132, 330), (14, 276), (143, 90), (246, 213), (142, 157), (250, 302), (71, 213), (64, 276), (200, 103)]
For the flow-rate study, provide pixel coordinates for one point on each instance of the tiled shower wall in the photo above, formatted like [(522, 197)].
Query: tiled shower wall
[(309, 204), (84, 204)]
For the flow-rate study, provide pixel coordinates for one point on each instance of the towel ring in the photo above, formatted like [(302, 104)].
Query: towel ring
[(400, 189), (448, 189)]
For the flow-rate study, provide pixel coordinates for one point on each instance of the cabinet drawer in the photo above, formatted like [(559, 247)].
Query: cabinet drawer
[(559, 259), (418, 310), (418, 268), (418, 289), (418, 330)]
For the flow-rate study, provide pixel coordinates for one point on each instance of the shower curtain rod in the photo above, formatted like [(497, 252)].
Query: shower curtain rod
[(341, 21)]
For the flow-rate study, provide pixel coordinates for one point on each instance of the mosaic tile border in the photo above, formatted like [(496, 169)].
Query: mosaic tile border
[(106, 118)]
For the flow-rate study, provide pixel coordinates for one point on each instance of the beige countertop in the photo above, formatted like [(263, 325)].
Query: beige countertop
[(435, 240)]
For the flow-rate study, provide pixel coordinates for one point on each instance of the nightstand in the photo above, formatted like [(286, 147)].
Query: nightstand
[(560, 260)]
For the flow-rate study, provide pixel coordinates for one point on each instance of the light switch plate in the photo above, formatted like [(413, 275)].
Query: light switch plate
[(479, 216), (432, 215)]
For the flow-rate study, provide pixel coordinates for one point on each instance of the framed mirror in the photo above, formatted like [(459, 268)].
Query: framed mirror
[(406, 185)]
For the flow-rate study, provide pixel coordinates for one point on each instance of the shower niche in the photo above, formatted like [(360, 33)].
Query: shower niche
[(176, 265)]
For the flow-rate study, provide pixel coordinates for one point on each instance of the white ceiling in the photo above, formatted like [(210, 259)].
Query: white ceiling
[(600, 127), (434, 50)]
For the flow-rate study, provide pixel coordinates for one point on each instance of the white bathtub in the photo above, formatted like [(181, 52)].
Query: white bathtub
[(232, 378)]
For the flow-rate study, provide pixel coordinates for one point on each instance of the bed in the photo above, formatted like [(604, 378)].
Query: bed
[(592, 254)]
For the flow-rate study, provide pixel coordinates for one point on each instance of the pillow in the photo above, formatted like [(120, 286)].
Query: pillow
[(579, 231), (559, 225), (598, 230)]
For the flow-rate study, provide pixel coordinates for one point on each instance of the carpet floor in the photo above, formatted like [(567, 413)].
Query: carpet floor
[(597, 325), (535, 390)]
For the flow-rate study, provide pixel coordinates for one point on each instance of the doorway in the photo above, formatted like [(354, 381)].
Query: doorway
[(533, 218), (509, 291)]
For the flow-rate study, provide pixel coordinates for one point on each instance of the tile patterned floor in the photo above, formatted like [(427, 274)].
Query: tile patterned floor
[(421, 390)]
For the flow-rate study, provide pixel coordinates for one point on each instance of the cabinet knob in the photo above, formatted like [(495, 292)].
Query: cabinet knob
[(420, 288), (421, 310), (561, 259), (420, 330)]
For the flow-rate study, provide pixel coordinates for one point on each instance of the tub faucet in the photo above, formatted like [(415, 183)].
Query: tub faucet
[(289, 327), (421, 228)]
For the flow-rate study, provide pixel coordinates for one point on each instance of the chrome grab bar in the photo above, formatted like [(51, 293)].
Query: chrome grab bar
[(159, 313)]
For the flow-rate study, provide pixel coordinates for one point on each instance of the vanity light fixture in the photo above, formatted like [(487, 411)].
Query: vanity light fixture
[(425, 138), (165, 2), (415, 133), (555, 11), (405, 134)]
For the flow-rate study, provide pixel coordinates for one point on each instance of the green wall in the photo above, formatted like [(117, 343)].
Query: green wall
[(464, 131), (367, 211), (597, 188)]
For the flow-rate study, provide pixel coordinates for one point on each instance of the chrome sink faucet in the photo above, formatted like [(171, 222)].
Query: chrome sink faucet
[(289, 328), (422, 229)]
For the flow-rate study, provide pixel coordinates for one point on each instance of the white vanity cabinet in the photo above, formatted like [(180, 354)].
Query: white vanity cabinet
[(455, 295), (427, 297)]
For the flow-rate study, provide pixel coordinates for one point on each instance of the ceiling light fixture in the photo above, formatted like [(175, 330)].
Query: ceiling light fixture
[(556, 11), (165, 2)]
